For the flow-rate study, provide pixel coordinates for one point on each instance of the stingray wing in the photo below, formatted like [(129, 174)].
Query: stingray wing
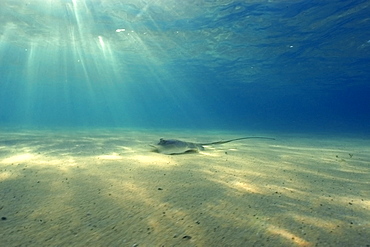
[(173, 146)]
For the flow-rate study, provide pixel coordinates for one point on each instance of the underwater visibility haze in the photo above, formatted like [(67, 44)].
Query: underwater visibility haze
[(282, 65), (184, 123)]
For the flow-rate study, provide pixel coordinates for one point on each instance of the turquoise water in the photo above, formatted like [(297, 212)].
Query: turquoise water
[(295, 66), (87, 87)]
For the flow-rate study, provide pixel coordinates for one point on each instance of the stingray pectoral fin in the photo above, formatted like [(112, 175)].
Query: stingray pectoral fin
[(175, 147)]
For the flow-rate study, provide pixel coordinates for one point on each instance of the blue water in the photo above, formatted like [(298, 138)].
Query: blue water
[(299, 66)]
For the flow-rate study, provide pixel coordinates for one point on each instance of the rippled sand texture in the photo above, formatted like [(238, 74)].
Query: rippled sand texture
[(105, 188)]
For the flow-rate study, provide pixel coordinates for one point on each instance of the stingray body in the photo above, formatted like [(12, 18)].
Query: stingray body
[(173, 146)]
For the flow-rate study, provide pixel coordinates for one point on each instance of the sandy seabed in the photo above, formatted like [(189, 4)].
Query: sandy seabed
[(105, 188)]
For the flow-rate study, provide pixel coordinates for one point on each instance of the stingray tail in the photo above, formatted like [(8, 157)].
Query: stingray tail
[(236, 139)]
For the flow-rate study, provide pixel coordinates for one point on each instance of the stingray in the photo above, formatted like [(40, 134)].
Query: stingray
[(173, 146)]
